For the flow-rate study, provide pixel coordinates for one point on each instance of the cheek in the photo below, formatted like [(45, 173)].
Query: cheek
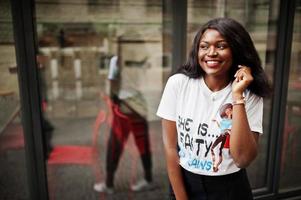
[(226, 54), (227, 57), (200, 61), (200, 56)]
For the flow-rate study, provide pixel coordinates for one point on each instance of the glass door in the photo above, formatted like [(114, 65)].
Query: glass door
[(13, 173), (290, 178), (101, 67)]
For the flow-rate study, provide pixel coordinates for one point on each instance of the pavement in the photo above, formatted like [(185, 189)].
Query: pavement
[(75, 182)]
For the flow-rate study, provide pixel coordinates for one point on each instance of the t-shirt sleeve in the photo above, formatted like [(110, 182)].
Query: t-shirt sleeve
[(113, 68), (254, 109), (167, 106)]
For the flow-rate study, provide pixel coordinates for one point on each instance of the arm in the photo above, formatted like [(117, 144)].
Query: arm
[(172, 159), (214, 120), (243, 142)]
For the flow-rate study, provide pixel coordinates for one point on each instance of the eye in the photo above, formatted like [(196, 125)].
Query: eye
[(204, 46), (222, 45)]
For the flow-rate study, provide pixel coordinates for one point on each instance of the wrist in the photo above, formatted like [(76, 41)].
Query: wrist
[(237, 96), (238, 99), (238, 102)]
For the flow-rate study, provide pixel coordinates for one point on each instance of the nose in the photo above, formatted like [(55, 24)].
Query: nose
[(212, 51)]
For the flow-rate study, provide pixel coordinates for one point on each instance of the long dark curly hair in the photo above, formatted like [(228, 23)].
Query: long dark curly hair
[(243, 52)]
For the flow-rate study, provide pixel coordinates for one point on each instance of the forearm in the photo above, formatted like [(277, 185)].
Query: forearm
[(172, 159), (243, 142), (175, 174)]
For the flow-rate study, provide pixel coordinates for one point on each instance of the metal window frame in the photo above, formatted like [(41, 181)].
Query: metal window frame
[(179, 29), (24, 37), (281, 74)]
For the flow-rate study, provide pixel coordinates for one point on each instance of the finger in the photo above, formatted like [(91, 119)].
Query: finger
[(241, 75), (245, 70), (237, 72), (245, 76), (240, 68), (243, 67)]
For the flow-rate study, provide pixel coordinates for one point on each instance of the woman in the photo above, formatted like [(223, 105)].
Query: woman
[(225, 126), (223, 67)]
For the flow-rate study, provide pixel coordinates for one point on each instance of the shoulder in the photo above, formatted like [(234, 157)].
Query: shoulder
[(178, 79), (250, 96), (252, 99), (114, 59)]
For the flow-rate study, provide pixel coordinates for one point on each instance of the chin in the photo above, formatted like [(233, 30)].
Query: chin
[(211, 71)]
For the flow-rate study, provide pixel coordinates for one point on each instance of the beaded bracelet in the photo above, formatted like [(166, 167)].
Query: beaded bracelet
[(238, 102)]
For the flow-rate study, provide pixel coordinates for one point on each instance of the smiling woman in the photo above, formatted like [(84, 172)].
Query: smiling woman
[(221, 76), (215, 57)]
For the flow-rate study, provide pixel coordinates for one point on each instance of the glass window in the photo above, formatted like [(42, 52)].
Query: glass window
[(256, 16), (290, 177), (13, 181), (102, 69)]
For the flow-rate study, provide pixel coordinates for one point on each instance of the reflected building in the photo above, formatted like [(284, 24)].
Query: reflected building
[(152, 38)]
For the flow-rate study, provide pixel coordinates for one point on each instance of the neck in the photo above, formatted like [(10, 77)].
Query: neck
[(216, 84)]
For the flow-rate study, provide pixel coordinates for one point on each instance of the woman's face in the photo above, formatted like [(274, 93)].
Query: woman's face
[(214, 54), (228, 112)]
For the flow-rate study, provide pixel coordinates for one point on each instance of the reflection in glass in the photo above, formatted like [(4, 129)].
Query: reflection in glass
[(79, 42), (254, 15), (290, 163), (13, 183)]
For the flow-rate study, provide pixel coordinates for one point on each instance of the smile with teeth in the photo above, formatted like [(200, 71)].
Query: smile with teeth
[(212, 63)]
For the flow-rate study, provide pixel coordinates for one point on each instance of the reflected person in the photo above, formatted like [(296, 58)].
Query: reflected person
[(120, 130), (47, 127)]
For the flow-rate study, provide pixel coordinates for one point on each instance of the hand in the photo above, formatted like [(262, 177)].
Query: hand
[(243, 79)]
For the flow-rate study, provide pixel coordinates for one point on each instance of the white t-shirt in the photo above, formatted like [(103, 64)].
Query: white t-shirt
[(113, 68), (132, 96), (198, 113)]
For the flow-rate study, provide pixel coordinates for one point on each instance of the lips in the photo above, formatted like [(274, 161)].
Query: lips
[(212, 63)]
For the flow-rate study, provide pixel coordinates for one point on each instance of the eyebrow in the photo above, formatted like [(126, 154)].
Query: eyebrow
[(215, 42)]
